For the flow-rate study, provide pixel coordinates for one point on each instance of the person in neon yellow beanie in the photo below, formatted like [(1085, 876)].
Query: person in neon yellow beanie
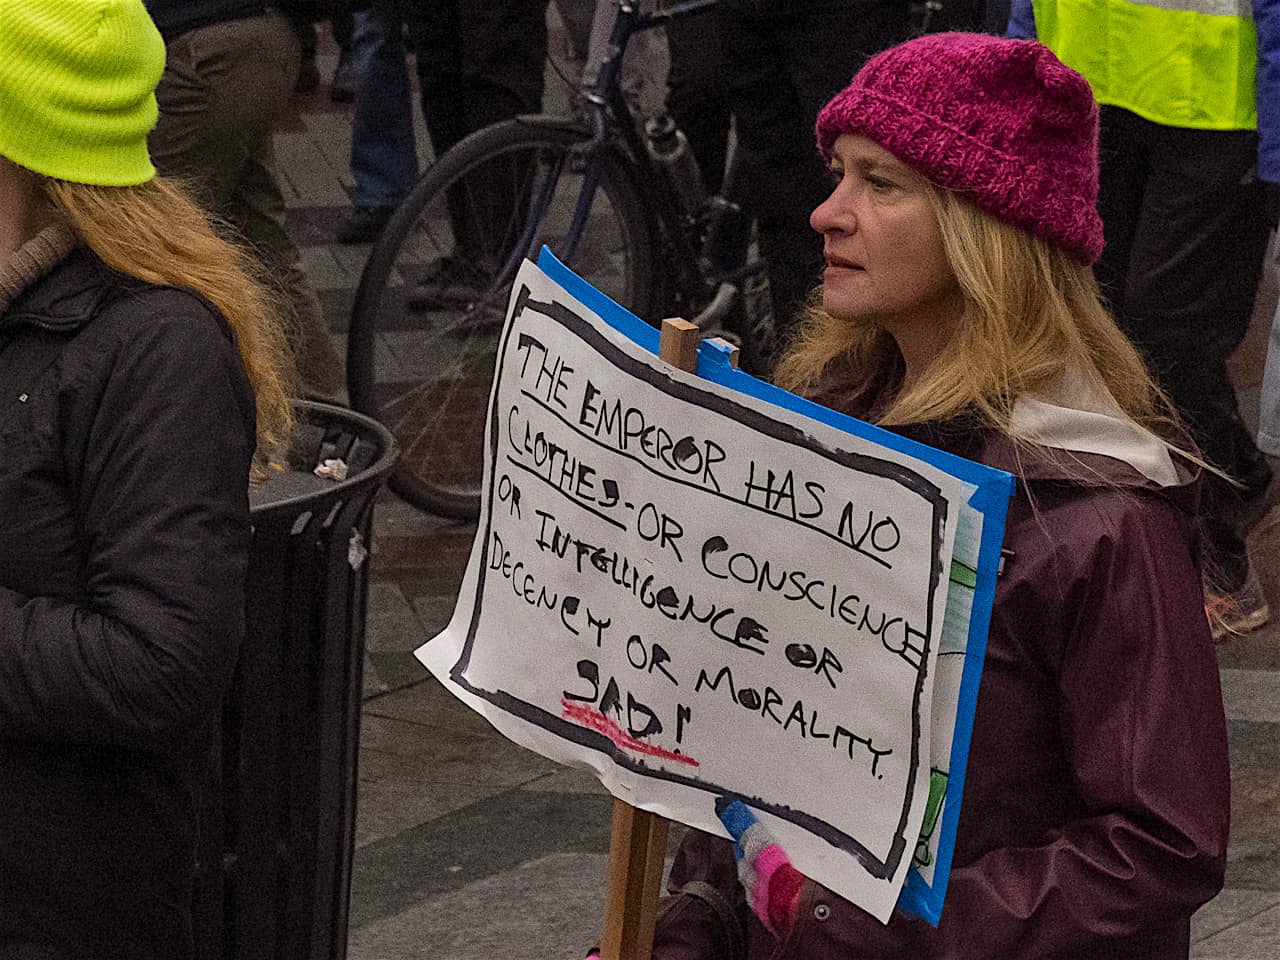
[(140, 366), (67, 109)]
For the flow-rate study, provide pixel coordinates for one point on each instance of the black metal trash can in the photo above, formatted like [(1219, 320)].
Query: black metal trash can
[(278, 817)]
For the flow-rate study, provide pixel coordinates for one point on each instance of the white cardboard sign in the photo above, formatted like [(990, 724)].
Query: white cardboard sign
[(700, 595)]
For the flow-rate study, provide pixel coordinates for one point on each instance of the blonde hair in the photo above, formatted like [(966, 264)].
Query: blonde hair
[(156, 233), (1029, 314)]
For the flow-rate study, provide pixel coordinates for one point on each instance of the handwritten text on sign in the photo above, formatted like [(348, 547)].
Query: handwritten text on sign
[(675, 585)]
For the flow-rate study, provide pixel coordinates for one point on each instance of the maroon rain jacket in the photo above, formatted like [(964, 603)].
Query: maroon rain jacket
[(1096, 803)]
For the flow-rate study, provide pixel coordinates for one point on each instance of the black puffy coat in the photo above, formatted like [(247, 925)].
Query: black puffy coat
[(126, 435)]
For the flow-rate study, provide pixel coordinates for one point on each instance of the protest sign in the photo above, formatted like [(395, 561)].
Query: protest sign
[(701, 594)]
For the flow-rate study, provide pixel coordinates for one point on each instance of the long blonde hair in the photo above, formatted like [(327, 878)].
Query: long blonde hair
[(156, 233), (1029, 314)]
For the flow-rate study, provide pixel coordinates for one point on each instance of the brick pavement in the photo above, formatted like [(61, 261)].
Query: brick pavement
[(469, 848)]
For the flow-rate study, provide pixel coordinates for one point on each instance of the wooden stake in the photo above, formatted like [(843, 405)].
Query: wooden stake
[(734, 352), (679, 344), (638, 842), (636, 849)]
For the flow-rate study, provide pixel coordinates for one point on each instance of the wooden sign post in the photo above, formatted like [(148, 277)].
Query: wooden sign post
[(636, 849), (638, 842)]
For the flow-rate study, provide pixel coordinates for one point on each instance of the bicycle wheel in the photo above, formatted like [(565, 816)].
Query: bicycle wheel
[(433, 295)]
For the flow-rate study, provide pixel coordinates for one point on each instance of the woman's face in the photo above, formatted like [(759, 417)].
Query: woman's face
[(884, 255)]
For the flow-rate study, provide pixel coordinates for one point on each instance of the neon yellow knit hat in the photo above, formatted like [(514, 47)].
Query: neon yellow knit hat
[(77, 88)]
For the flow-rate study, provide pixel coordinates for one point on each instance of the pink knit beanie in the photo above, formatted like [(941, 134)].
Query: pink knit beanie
[(1004, 123)]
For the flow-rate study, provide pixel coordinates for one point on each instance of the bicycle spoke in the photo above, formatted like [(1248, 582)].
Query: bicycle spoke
[(428, 333)]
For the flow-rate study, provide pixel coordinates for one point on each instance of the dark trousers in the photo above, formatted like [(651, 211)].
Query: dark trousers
[(1185, 239), (697, 96), (224, 88), (782, 64), (342, 25), (479, 62)]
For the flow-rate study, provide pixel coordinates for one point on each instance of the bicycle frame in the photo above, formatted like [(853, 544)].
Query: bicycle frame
[(606, 97), (601, 103)]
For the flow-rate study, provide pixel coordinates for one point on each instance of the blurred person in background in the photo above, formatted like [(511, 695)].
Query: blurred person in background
[(1190, 151), (230, 69), (782, 62), (478, 62), (340, 17), (384, 153)]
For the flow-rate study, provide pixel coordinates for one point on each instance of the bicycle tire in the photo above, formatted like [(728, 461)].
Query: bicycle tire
[(426, 374)]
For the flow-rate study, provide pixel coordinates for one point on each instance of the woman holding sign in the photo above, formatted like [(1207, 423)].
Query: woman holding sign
[(958, 308)]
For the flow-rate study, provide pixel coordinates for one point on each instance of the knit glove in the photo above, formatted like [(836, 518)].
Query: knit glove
[(772, 884)]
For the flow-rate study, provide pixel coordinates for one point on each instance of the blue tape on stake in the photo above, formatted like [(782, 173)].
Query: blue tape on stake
[(991, 499)]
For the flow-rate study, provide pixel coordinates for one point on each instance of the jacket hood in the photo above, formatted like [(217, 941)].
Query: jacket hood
[(1082, 429), (1074, 435)]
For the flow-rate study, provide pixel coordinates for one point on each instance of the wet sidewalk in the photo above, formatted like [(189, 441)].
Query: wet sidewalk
[(470, 848)]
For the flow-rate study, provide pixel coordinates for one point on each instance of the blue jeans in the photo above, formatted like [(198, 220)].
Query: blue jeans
[(384, 159)]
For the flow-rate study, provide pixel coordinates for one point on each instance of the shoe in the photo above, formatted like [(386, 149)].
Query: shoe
[(1239, 612), (448, 282), (342, 89), (308, 77), (364, 224)]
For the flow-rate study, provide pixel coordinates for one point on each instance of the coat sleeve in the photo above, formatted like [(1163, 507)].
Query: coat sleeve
[(1145, 733), (1141, 715), (1266, 21), (159, 476)]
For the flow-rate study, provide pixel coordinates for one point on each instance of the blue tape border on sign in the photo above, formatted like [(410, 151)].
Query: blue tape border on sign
[(991, 499)]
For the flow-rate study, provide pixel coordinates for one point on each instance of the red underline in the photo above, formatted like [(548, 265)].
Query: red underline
[(597, 721)]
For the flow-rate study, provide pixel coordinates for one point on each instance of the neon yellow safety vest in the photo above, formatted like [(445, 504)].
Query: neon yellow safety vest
[(1182, 63)]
